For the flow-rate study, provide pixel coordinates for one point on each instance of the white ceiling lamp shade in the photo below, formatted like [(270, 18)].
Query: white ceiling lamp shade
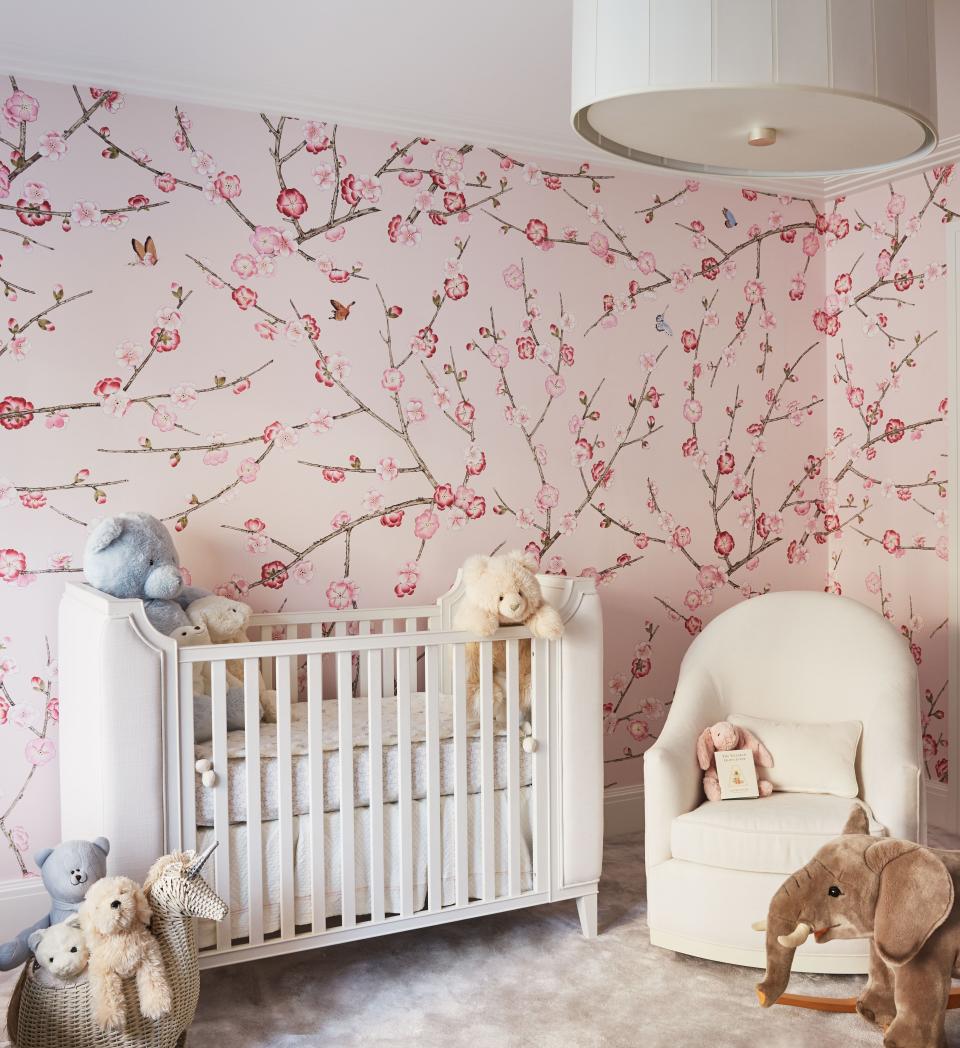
[(756, 87)]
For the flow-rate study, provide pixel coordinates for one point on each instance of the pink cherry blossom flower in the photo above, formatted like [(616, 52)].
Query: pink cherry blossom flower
[(324, 175), (416, 411), (52, 145), (426, 524), (302, 572), (340, 520), (20, 108), (387, 469), (247, 470), (692, 410), (85, 213), (320, 422), (753, 291), (342, 594), (548, 497), (116, 405), (392, 379), (513, 277), (164, 420), (244, 265)]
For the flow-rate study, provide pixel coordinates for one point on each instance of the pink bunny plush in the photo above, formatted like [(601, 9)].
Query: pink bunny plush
[(726, 736)]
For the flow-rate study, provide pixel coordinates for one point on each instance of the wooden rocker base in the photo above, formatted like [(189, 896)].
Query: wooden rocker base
[(841, 1004)]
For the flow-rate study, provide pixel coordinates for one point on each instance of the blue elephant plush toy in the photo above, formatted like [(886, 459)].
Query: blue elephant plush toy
[(132, 555), (67, 872)]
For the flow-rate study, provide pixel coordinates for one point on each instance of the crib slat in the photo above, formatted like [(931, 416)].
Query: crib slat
[(540, 680), (513, 767), (459, 688), (188, 775), (374, 665), (266, 634), (389, 669), (285, 790), (318, 883), (411, 627), (363, 676), (221, 814), (486, 769), (432, 689), (347, 855), (405, 792), (251, 720)]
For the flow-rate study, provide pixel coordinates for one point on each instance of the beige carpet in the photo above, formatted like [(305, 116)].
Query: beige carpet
[(522, 980)]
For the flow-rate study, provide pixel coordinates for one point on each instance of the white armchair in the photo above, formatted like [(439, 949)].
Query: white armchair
[(793, 656)]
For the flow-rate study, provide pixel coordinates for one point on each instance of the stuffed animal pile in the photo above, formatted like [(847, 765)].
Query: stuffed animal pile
[(503, 591)]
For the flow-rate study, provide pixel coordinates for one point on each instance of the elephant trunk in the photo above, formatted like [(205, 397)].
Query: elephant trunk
[(779, 960), (163, 583)]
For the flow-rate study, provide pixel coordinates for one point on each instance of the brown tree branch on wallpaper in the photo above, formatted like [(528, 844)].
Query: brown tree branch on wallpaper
[(39, 320), (39, 751)]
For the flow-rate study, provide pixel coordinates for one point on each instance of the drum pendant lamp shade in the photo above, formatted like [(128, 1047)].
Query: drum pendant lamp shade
[(756, 87)]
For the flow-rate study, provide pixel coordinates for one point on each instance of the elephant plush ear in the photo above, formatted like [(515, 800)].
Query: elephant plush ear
[(915, 897), (104, 533), (857, 822)]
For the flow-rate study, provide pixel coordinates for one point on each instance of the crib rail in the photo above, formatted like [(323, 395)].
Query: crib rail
[(398, 796)]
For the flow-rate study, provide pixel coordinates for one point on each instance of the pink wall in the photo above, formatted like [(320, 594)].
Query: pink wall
[(886, 453), (664, 463)]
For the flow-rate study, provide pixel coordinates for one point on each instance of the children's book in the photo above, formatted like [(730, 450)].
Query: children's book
[(737, 774)]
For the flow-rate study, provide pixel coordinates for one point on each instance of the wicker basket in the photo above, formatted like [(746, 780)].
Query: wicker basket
[(42, 1016)]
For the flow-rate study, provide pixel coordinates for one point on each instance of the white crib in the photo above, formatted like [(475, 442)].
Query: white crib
[(373, 805)]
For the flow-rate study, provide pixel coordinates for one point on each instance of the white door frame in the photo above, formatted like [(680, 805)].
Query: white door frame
[(943, 803)]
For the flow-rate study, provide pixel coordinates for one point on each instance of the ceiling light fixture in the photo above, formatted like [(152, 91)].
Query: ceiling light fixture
[(824, 86)]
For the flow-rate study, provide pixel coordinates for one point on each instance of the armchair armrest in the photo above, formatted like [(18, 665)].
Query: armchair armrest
[(898, 800), (671, 776)]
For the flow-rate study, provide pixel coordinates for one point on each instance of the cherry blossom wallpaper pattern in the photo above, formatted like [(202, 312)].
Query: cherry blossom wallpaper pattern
[(884, 503), (620, 371)]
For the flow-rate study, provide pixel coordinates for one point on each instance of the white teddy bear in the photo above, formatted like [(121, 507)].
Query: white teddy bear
[(226, 620), (61, 952), (188, 636)]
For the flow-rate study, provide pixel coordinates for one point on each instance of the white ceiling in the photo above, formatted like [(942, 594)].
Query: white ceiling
[(496, 72)]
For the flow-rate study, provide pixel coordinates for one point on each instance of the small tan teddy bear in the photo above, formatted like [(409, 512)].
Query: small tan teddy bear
[(226, 621), (503, 591), (115, 918)]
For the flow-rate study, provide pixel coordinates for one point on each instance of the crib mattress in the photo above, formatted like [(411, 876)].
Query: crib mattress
[(300, 748)]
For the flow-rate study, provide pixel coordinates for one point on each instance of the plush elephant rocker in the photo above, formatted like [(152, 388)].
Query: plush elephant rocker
[(132, 555), (67, 872), (897, 893)]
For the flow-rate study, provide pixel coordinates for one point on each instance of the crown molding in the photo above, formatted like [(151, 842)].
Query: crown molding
[(571, 148), (69, 69), (948, 151)]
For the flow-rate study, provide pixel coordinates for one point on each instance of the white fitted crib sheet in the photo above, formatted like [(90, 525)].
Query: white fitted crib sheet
[(300, 747), (270, 865)]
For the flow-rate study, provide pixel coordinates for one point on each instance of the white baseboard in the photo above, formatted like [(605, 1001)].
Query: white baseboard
[(22, 902), (622, 810)]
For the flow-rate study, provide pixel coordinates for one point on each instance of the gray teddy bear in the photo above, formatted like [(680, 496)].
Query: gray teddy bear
[(132, 555), (67, 872)]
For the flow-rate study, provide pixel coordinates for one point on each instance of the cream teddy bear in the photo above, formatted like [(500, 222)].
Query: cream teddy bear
[(60, 951), (115, 917), (189, 636), (503, 591), (226, 621)]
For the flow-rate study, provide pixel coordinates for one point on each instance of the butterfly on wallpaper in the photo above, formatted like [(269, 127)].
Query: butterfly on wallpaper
[(729, 219), (340, 311), (146, 252), (662, 323)]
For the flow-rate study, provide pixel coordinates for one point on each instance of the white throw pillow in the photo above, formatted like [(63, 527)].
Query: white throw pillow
[(808, 758)]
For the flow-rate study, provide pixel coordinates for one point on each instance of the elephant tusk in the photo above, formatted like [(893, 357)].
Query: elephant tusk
[(797, 937), (759, 926)]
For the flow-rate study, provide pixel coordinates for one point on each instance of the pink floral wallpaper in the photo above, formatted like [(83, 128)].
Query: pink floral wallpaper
[(337, 363), (881, 481)]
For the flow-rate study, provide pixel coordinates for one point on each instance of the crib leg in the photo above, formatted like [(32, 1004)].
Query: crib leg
[(587, 909)]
